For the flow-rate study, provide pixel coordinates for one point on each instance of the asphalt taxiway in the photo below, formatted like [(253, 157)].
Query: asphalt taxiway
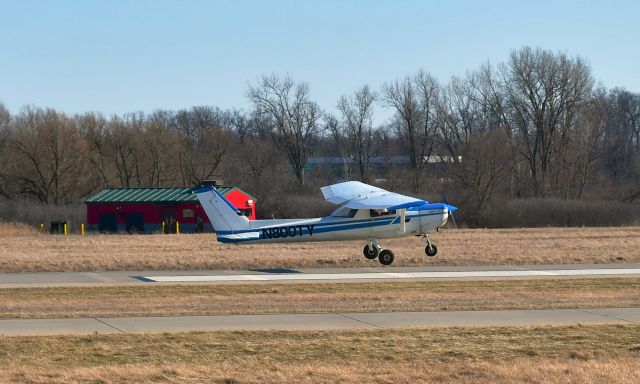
[(318, 321), (52, 279)]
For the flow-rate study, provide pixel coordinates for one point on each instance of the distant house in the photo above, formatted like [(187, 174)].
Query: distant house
[(436, 164), (379, 160), (144, 210)]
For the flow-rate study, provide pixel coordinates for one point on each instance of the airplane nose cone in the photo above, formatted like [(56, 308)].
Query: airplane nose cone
[(451, 208)]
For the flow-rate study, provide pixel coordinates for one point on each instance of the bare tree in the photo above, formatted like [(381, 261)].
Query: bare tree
[(481, 171), (415, 101), (205, 137), (5, 118), (124, 148), (159, 151), (582, 151), (293, 117), (256, 152), (336, 133), (51, 157), (356, 119), (93, 128), (544, 96), (5, 121), (339, 143), (471, 135), (622, 134)]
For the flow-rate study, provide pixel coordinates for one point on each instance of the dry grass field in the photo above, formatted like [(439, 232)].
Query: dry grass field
[(493, 355), (170, 300), (27, 250), (581, 354)]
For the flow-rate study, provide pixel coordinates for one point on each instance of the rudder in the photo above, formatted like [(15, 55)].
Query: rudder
[(224, 217)]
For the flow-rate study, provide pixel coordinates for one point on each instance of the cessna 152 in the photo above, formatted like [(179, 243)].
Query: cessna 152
[(365, 213)]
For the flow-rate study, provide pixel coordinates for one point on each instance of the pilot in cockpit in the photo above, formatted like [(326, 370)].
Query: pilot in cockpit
[(379, 212)]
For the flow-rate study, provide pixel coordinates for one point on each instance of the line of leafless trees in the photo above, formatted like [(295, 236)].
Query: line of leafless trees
[(534, 127)]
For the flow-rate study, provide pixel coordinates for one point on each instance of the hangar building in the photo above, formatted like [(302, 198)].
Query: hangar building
[(144, 210)]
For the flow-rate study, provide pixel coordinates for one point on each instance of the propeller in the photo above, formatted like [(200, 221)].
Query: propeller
[(451, 209)]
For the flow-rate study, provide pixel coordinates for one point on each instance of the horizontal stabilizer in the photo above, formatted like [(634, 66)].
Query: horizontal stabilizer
[(243, 236), (238, 237)]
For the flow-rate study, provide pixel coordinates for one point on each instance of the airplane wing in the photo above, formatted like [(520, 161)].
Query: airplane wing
[(357, 195)]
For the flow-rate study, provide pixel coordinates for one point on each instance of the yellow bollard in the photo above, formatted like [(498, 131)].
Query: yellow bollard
[(42, 228), (177, 228), (82, 229), (65, 229), (163, 227)]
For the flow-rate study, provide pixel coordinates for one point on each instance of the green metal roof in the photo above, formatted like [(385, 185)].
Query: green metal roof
[(151, 195)]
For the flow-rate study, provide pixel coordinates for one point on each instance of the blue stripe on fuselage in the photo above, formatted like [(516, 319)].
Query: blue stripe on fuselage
[(318, 224), (339, 226), (388, 220)]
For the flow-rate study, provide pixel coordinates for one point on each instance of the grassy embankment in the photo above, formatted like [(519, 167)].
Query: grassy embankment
[(26, 250), (579, 354)]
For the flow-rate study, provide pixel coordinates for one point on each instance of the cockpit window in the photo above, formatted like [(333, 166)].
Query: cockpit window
[(344, 212), (381, 212)]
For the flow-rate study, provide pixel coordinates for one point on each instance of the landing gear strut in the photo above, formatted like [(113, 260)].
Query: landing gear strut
[(373, 250), (431, 249)]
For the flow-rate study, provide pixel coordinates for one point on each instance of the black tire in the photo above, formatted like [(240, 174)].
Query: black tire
[(431, 250), (385, 257), (370, 254)]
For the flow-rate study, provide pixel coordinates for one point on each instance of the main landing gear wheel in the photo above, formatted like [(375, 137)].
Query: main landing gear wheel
[(370, 253), (385, 257), (431, 250)]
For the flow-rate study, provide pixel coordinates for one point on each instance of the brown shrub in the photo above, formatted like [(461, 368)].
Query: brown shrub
[(16, 229), (36, 213), (551, 212)]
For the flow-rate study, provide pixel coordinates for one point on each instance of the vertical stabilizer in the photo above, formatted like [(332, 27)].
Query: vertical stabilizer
[(224, 217)]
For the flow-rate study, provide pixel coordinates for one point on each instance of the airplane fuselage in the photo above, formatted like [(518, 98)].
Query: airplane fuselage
[(361, 224), (365, 212)]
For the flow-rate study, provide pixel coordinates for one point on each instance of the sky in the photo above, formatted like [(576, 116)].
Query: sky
[(122, 56)]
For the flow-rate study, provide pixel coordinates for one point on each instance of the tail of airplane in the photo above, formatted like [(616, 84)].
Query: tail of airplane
[(225, 218)]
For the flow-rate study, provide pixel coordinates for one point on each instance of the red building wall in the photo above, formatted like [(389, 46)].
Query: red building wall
[(242, 202), (154, 213)]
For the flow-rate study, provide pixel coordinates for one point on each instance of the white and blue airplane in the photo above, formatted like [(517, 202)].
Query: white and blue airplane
[(365, 212)]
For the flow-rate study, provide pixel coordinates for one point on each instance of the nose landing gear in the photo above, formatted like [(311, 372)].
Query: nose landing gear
[(431, 249)]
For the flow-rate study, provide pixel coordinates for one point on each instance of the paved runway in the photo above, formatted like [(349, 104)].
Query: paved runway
[(320, 321), (46, 279), (393, 275)]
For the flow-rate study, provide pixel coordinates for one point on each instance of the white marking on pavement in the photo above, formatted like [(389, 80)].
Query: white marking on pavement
[(400, 275)]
